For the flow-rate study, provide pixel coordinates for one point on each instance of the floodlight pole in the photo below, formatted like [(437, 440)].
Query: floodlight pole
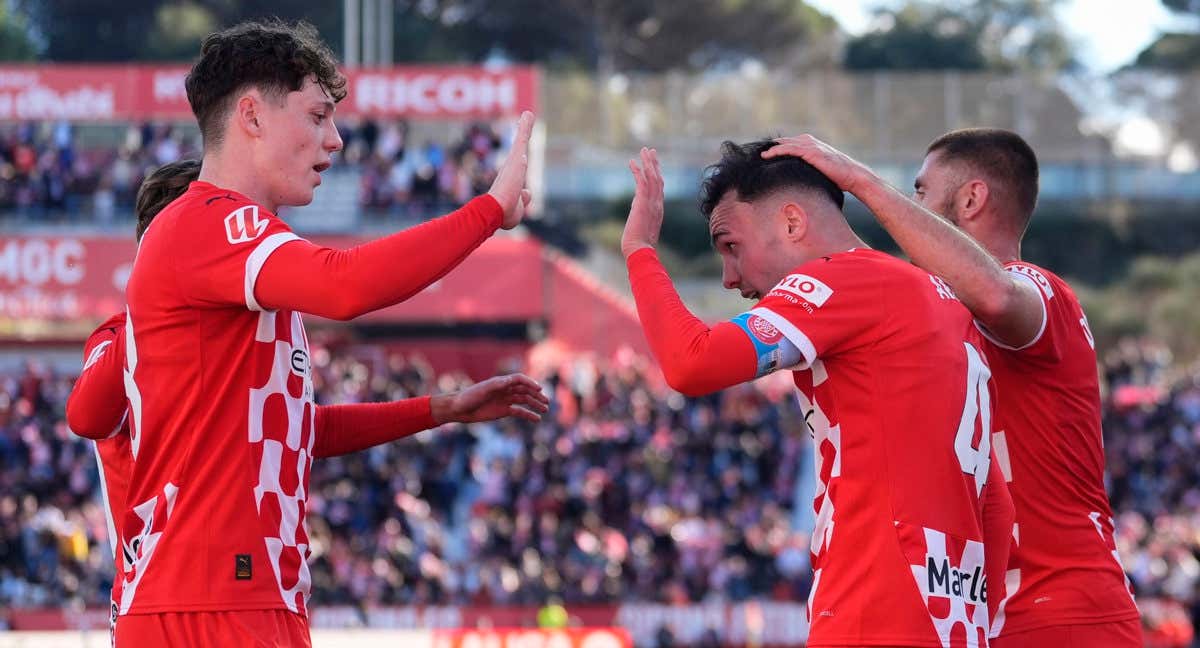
[(351, 32)]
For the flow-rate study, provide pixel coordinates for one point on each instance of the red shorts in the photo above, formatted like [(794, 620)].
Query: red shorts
[(257, 628), (1117, 634)]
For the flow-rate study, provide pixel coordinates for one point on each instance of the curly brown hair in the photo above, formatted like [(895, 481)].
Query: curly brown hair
[(274, 56), (162, 187)]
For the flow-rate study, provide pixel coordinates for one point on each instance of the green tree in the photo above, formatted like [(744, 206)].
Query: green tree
[(985, 34), (917, 37), (155, 30), (611, 35), (1172, 51), (85, 31), (1175, 51), (16, 42)]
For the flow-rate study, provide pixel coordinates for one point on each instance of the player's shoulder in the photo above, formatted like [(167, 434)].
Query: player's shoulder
[(109, 328), (858, 262), (817, 280), (1047, 282), (110, 333), (207, 214)]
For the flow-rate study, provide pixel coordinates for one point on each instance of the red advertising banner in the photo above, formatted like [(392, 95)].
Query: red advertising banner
[(61, 286), (132, 92), (441, 92)]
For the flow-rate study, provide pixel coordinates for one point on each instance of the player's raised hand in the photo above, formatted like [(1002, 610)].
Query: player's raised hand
[(846, 172), (646, 213), (509, 186), (495, 398)]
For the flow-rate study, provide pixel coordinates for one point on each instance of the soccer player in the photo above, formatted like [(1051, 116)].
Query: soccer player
[(896, 392), (1065, 586), (96, 407), (223, 428)]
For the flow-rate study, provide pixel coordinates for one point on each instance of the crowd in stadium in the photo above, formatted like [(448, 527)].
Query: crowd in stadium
[(46, 174), (419, 178), (634, 495), (623, 492)]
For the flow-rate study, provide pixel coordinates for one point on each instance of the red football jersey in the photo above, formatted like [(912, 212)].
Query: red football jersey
[(97, 406), (898, 400), (221, 413), (1064, 567)]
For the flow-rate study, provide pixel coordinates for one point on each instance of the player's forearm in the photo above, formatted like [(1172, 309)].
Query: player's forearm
[(96, 405), (344, 284), (932, 243), (342, 429), (695, 359), (95, 413)]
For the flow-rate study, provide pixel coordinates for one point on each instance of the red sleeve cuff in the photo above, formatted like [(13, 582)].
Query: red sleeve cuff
[(492, 212), (642, 260), (343, 429)]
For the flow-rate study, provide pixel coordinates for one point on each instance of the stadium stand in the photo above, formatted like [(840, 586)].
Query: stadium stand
[(638, 493)]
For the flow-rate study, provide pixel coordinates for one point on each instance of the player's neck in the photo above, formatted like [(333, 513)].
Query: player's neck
[(1004, 247), (220, 171), (841, 242)]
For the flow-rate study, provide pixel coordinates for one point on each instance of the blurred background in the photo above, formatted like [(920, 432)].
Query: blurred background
[(683, 522)]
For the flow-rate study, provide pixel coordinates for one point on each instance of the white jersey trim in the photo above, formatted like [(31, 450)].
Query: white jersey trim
[(1041, 330), (108, 512), (793, 335), (257, 258)]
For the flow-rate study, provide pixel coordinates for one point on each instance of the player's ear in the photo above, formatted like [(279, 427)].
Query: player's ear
[(795, 221), (973, 196), (247, 113)]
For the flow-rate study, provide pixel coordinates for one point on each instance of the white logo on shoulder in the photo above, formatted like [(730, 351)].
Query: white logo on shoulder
[(96, 354), (243, 224), (810, 289), (1038, 278)]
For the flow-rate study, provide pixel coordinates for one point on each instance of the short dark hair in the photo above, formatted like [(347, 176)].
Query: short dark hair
[(743, 169), (1001, 155), (274, 56), (161, 188)]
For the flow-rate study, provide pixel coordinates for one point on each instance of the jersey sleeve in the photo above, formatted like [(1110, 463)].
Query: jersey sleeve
[(1046, 345), (824, 307), (222, 249), (695, 359), (96, 407), (998, 517), (343, 429), (343, 284)]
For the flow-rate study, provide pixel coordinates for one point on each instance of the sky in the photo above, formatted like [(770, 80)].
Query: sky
[(1110, 33)]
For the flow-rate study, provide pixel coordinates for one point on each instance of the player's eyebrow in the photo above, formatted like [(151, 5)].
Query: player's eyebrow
[(717, 234)]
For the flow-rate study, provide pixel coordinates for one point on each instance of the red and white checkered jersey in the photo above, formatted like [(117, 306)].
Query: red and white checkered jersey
[(898, 399), (221, 416), (1064, 568)]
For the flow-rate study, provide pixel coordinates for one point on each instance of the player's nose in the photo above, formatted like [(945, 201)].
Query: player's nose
[(333, 141), (730, 278)]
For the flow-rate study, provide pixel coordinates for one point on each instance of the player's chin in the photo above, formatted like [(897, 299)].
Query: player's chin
[(301, 197)]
